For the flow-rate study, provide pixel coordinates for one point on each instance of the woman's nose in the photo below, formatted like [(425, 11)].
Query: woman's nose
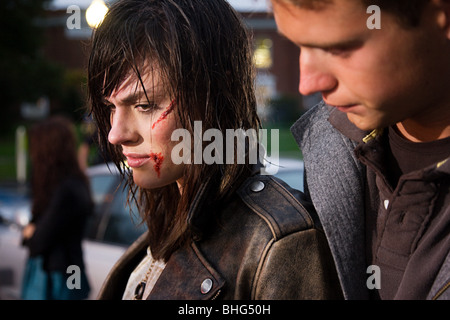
[(122, 131)]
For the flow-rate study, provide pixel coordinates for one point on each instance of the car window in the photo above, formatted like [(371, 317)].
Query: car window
[(101, 185), (294, 178), (123, 225)]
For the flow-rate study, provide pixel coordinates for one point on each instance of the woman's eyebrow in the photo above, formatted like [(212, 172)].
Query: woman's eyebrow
[(132, 98), (105, 101), (137, 96)]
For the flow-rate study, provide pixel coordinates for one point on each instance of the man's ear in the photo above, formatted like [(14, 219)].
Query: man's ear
[(443, 15)]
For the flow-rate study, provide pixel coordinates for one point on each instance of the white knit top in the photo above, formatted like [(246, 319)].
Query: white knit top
[(148, 270)]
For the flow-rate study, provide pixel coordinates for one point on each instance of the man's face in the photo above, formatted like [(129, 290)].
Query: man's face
[(143, 129), (378, 77)]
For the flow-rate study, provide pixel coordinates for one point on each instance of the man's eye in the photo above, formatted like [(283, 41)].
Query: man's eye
[(337, 51), (344, 50)]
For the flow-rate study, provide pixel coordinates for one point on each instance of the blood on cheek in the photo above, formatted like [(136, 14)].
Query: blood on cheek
[(165, 114), (158, 159)]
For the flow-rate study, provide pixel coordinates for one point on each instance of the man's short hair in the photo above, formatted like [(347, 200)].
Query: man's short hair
[(409, 12)]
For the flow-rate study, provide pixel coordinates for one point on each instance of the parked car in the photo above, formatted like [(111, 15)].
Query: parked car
[(112, 228), (288, 169)]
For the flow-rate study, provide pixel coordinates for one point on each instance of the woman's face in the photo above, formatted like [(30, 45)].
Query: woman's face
[(143, 129)]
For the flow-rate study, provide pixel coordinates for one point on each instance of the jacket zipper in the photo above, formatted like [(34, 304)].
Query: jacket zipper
[(216, 295)]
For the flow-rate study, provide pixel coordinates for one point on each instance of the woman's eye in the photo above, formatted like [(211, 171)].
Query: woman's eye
[(111, 108), (147, 107)]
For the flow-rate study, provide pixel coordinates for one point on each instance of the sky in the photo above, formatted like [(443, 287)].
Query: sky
[(240, 5)]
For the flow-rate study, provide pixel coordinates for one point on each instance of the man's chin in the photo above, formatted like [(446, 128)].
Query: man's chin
[(361, 122)]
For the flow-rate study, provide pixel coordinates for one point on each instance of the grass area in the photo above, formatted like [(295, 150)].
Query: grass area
[(7, 158), (287, 146)]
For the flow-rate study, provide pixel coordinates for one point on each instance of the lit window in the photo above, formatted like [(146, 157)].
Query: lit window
[(262, 56)]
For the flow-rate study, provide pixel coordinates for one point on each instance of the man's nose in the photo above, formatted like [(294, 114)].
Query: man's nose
[(314, 74)]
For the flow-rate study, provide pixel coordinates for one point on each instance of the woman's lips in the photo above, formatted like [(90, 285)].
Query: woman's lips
[(137, 160)]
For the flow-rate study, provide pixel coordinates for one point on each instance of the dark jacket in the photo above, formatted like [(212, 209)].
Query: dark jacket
[(264, 243), (337, 183), (59, 230), (413, 225)]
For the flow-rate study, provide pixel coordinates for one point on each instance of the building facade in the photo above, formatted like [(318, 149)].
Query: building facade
[(276, 59)]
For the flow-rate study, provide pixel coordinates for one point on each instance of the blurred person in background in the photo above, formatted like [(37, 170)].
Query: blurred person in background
[(61, 204), (215, 230)]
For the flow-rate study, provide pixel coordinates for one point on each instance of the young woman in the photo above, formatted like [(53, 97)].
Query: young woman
[(216, 229), (60, 209)]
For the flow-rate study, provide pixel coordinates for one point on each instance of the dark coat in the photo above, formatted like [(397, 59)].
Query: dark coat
[(336, 181), (265, 243), (60, 229)]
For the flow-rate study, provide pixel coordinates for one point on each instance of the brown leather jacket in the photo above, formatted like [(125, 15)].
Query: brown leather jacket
[(267, 243)]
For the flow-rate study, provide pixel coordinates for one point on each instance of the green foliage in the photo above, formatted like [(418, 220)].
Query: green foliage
[(285, 109), (26, 74)]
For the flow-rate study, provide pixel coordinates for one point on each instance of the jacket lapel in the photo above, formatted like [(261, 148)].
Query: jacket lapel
[(202, 282), (335, 181)]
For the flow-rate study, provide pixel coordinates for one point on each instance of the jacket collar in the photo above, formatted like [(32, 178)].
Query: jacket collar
[(328, 182), (205, 202), (201, 282), (444, 166), (340, 121), (199, 215)]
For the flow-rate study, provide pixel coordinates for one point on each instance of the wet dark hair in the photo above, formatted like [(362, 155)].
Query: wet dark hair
[(408, 12), (202, 52)]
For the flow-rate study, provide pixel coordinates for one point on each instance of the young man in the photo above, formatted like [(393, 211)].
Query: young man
[(377, 148)]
